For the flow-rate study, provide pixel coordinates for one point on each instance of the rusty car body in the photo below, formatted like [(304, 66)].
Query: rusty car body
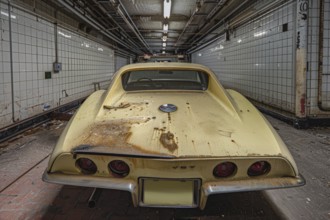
[(171, 135)]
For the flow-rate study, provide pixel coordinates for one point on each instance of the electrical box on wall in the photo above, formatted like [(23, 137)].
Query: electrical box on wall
[(48, 75), (57, 67)]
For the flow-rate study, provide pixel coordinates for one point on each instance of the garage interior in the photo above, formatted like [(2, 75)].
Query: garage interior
[(55, 53)]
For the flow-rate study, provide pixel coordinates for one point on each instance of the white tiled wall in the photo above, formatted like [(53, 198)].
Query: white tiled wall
[(84, 62), (121, 61), (5, 75), (326, 56), (313, 52), (258, 59)]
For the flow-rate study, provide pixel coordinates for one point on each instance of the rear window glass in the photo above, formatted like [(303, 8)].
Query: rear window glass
[(165, 79)]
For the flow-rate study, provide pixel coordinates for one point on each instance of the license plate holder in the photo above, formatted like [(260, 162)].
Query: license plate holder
[(159, 192)]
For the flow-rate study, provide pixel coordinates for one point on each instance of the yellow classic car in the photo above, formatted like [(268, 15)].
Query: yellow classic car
[(171, 135)]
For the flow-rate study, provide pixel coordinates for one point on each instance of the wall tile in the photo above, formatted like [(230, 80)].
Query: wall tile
[(33, 54), (313, 50), (262, 67)]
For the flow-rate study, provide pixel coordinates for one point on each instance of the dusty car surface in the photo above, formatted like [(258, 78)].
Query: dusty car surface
[(171, 135)]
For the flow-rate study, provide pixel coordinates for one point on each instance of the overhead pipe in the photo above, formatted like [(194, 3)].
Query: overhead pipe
[(246, 18), (90, 21), (187, 25), (97, 14), (128, 23), (216, 9), (94, 24), (270, 7), (217, 25), (114, 21), (320, 63), (239, 22), (131, 24), (56, 21), (232, 25), (136, 28)]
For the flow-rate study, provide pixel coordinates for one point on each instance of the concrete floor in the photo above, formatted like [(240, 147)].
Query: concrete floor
[(24, 196)]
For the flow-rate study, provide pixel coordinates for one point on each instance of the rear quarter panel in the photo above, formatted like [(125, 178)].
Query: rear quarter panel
[(265, 128)]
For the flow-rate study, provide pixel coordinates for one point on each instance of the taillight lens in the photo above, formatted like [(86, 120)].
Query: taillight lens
[(119, 168), (86, 165), (259, 168), (224, 169)]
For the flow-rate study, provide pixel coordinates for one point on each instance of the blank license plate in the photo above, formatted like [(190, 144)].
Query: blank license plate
[(169, 192)]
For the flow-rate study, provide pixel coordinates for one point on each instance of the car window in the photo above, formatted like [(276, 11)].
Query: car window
[(165, 79)]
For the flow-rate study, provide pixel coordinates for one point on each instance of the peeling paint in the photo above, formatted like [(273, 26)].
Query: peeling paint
[(121, 106), (109, 134), (124, 105), (112, 137), (167, 140)]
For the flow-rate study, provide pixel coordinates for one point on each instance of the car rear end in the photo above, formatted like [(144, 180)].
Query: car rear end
[(172, 182)]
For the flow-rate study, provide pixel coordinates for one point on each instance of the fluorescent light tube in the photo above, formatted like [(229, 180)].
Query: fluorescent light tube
[(167, 8)]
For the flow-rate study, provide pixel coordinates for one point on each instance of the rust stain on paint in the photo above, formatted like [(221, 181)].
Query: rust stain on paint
[(120, 106), (167, 140), (114, 136)]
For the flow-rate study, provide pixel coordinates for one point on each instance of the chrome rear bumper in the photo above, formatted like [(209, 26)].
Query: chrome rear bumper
[(90, 181), (257, 184), (208, 188)]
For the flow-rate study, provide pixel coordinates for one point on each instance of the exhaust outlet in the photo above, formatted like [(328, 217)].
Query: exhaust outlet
[(92, 201)]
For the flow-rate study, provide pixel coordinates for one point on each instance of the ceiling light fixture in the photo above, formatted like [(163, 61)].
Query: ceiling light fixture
[(167, 8), (164, 44), (164, 38), (165, 28)]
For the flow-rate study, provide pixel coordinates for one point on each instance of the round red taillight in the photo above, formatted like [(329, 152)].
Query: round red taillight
[(119, 168), (86, 165), (224, 169), (259, 168)]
